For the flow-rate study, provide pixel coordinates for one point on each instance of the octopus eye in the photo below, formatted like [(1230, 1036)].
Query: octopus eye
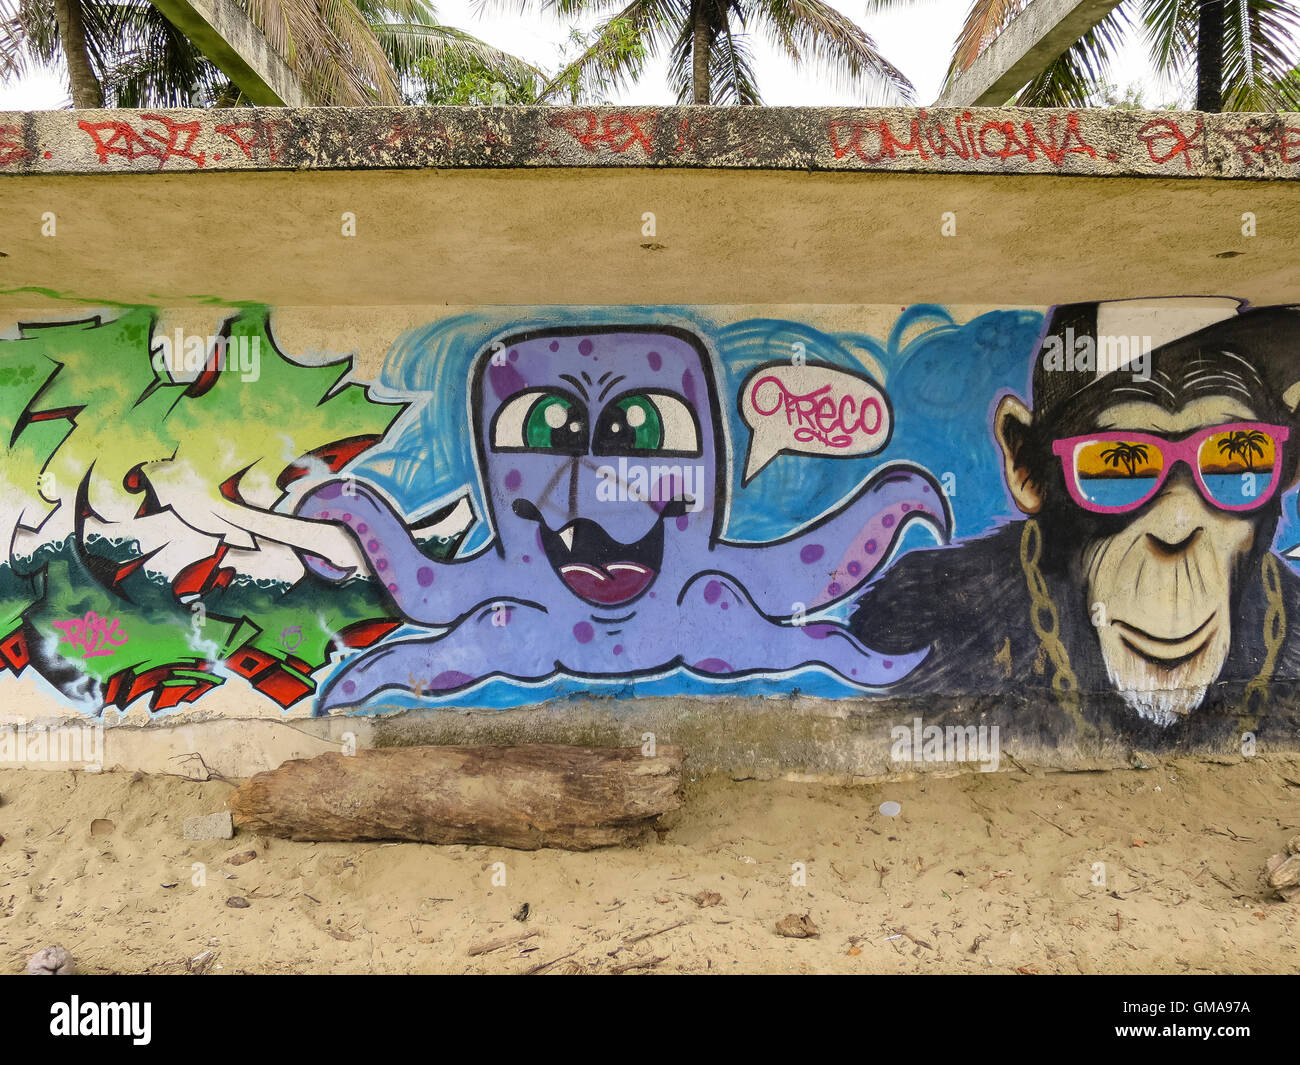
[(548, 421), (639, 423)]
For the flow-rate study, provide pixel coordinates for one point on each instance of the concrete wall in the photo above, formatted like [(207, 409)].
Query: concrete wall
[(838, 474)]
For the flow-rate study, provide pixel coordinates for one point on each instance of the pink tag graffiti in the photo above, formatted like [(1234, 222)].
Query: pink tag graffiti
[(811, 410), (95, 636)]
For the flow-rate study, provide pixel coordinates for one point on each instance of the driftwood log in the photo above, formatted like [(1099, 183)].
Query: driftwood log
[(529, 796), (1283, 871)]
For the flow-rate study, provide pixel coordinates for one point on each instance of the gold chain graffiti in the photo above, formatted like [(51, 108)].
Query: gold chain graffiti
[(1256, 693), (1047, 626)]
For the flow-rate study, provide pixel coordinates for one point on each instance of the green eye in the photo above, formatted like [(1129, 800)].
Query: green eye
[(641, 420), (542, 420), (652, 422), (548, 423)]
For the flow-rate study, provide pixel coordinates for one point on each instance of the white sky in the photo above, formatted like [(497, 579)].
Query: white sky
[(917, 39)]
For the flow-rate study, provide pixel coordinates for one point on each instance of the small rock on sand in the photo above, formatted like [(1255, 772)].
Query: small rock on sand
[(51, 961), (797, 926), (210, 826)]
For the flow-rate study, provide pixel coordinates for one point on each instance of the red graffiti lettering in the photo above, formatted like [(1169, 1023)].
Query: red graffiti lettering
[(889, 144), (874, 141), (854, 142), (941, 143), (1262, 144), (413, 136), (257, 140), (1166, 140), (687, 133), (11, 145), (13, 651), (1071, 140), (176, 140), (1009, 145), (618, 131)]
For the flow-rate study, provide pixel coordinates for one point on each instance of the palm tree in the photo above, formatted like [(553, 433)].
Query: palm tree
[(1129, 455), (1241, 53), (372, 49), (346, 52), (72, 29), (1246, 443), (708, 46)]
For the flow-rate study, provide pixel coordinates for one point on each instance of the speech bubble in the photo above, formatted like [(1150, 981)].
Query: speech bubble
[(812, 410)]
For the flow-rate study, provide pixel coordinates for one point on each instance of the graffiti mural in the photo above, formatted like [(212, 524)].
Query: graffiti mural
[(1139, 587), (603, 464), (146, 561), (1077, 519)]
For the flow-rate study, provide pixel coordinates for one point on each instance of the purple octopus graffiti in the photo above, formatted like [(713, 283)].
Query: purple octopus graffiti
[(605, 466)]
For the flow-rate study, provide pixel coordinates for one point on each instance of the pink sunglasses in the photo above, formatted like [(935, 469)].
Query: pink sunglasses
[(1236, 466)]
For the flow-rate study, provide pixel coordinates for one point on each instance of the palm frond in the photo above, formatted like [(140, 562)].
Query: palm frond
[(29, 36), (813, 32), (1260, 58), (1169, 28), (1071, 80), (615, 53), (985, 20), (731, 68), (407, 12), (155, 64), (407, 44), (330, 47)]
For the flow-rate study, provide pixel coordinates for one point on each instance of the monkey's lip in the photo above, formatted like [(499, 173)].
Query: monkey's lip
[(1167, 652)]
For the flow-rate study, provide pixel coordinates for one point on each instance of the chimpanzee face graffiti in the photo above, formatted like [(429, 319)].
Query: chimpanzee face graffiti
[(1156, 500), (1160, 587)]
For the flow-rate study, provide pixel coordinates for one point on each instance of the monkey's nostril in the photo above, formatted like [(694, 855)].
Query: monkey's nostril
[(1168, 547)]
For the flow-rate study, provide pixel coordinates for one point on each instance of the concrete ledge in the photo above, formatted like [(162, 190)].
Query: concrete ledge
[(1024, 49), (1097, 143), (226, 35), (796, 738)]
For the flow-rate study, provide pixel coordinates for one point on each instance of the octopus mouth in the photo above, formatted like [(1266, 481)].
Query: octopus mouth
[(593, 565)]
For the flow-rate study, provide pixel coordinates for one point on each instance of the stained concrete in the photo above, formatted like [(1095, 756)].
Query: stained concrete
[(1026, 47), (222, 31), (518, 237), (1176, 144)]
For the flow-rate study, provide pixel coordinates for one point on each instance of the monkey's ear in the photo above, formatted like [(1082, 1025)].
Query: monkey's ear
[(1011, 424)]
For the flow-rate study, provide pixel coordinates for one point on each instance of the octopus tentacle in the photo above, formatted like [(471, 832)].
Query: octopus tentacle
[(500, 644), (832, 559), (423, 589), (724, 634)]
